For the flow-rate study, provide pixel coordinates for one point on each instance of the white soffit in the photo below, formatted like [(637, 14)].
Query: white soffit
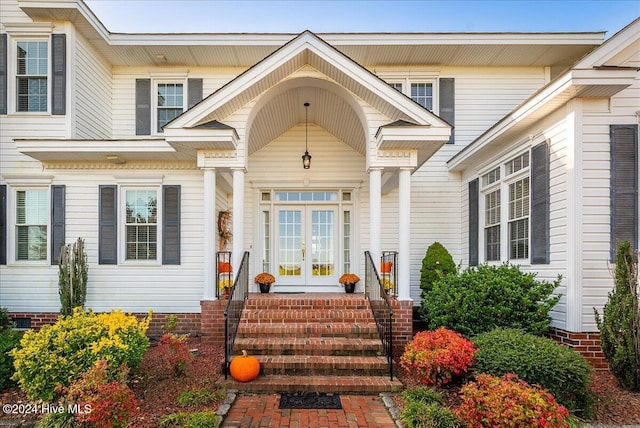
[(369, 49)]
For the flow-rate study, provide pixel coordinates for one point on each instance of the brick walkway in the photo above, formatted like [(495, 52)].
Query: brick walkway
[(253, 411)]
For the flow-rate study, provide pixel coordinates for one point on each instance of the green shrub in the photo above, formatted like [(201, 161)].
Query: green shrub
[(199, 397), (420, 415), (437, 357), (422, 394), (57, 354), (423, 408), (509, 402), (190, 420), (9, 339), (537, 360), (57, 420), (437, 262), (483, 298), (4, 319), (620, 323)]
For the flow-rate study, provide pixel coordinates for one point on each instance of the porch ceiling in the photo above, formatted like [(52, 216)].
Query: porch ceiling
[(326, 109)]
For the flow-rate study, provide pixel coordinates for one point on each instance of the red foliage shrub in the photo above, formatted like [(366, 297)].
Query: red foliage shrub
[(437, 357), (174, 352), (509, 402), (100, 402)]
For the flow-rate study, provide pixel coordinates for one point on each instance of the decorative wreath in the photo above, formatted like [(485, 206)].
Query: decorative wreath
[(223, 226)]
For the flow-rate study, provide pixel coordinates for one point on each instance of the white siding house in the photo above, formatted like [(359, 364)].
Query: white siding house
[(137, 142)]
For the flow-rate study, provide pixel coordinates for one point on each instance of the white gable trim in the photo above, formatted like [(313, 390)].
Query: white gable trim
[(306, 48)]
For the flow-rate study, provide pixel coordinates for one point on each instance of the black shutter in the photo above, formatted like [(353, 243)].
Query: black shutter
[(108, 226), (143, 106), (3, 73), (194, 90), (474, 194), (170, 225), (3, 224), (57, 221), (540, 204), (59, 74), (624, 185), (448, 103)]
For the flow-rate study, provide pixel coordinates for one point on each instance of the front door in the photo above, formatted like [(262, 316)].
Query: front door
[(306, 245)]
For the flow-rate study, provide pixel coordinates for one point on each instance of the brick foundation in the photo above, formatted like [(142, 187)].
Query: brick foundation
[(187, 323), (212, 321), (587, 344), (38, 319), (402, 325)]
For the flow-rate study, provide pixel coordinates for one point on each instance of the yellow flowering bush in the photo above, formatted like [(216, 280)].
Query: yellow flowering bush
[(59, 353)]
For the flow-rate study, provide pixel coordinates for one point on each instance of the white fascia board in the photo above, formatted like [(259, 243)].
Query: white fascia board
[(391, 39), (527, 108), (410, 136), (616, 43), (607, 81), (74, 5), (132, 145), (201, 134), (604, 76)]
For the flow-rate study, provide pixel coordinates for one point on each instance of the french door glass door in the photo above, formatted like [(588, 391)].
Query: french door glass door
[(306, 245)]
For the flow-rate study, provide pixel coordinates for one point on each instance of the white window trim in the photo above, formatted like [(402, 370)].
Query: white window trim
[(409, 77), (503, 184), (12, 239), (12, 71), (154, 96), (122, 226)]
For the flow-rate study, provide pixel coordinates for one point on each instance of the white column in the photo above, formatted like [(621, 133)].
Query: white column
[(375, 212), (238, 217), (404, 234), (209, 234)]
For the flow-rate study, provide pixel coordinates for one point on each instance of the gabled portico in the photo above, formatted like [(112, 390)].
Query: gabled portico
[(350, 108)]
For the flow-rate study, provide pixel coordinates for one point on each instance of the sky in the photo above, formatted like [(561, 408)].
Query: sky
[(324, 16)]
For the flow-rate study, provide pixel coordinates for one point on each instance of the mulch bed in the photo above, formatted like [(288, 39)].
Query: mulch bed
[(157, 390)]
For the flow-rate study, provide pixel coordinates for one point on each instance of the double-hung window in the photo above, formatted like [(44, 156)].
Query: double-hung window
[(141, 224), (31, 224), (518, 207), (32, 68), (506, 210), (491, 184), (170, 102)]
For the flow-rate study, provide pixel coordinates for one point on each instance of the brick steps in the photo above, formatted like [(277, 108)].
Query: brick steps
[(336, 329), (324, 346), (329, 384), (322, 365), (319, 342), (305, 316)]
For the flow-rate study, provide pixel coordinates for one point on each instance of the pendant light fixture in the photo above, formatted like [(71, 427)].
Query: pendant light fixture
[(306, 157)]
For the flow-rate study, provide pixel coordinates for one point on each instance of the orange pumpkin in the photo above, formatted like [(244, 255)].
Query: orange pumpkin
[(244, 368), (385, 267)]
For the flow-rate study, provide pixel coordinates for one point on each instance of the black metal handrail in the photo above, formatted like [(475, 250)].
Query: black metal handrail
[(380, 306), (233, 310)]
